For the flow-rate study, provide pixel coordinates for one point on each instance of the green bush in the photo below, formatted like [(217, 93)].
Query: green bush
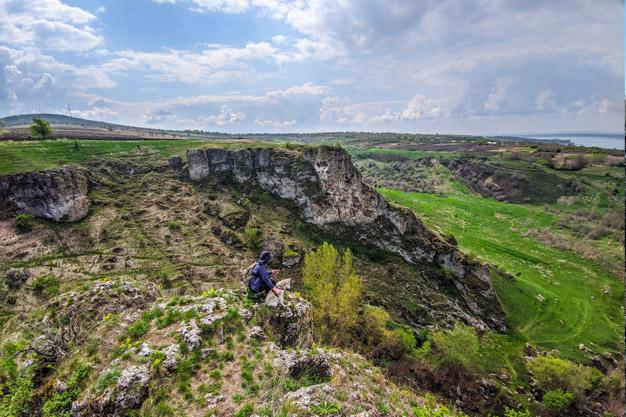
[(48, 286), (557, 400), (16, 399), (457, 347), (334, 291), (174, 224), (554, 373), (106, 379), (139, 329), (60, 403), (24, 222), (253, 237)]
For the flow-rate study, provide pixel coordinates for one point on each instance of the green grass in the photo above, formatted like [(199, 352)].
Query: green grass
[(566, 282), (26, 156)]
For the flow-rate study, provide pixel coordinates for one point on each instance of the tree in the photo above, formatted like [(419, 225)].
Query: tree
[(40, 127), (334, 291)]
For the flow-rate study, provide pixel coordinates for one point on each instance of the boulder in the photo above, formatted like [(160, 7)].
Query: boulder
[(191, 334), (291, 325), (15, 278)]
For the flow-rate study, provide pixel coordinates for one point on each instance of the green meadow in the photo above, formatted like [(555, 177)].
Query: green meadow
[(557, 299)]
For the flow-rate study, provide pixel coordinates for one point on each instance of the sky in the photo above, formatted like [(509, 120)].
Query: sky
[(417, 66)]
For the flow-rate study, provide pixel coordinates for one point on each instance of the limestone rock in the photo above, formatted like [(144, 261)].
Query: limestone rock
[(176, 163), (132, 388), (58, 194), (316, 364), (191, 334), (291, 326), (170, 362)]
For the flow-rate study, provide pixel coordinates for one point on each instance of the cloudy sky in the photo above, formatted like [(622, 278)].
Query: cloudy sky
[(459, 66)]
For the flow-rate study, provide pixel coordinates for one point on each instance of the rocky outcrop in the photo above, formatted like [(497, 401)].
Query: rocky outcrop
[(56, 194), (329, 192)]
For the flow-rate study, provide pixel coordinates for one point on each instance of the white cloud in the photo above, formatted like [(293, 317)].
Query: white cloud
[(226, 116), (274, 123), (307, 88), (210, 66), (46, 24), (498, 94)]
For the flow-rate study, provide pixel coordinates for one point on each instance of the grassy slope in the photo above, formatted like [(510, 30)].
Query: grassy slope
[(494, 231)]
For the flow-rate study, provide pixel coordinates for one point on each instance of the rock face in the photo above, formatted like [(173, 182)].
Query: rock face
[(55, 194), (329, 192)]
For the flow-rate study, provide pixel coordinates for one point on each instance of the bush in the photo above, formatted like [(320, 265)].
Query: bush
[(557, 400), (24, 222), (60, 404), (174, 224), (253, 237), (554, 373), (377, 337), (457, 347), (334, 291), (48, 286)]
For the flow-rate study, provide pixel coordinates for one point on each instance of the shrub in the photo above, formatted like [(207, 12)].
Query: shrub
[(48, 286), (253, 237), (60, 404), (334, 291), (554, 373), (457, 347), (24, 222), (377, 338), (174, 224), (557, 400), (139, 329)]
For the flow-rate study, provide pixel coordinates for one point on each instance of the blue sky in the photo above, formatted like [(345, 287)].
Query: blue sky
[(458, 66)]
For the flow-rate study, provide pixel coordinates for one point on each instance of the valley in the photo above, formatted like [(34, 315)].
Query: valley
[(547, 219)]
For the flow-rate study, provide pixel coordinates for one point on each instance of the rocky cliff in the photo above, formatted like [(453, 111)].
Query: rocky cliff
[(329, 193), (57, 194)]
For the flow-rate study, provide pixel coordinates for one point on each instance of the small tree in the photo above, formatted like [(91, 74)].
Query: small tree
[(334, 291), (40, 127)]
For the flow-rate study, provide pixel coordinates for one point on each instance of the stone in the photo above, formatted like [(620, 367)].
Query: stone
[(15, 278), (172, 353), (313, 365), (58, 194), (132, 388), (191, 334), (176, 163), (246, 315), (257, 333), (59, 386), (144, 350), (212, 399), (291, 326)]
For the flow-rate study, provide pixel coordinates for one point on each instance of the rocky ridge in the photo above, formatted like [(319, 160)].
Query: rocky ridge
[(205, 354), (329, 193)]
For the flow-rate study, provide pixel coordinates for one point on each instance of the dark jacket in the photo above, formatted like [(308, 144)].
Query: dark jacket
[(260, 274)]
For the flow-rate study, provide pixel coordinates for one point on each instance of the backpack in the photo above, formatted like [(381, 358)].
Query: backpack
[(246, 275)]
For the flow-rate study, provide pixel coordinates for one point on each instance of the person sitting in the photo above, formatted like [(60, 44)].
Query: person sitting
[(261, 282)]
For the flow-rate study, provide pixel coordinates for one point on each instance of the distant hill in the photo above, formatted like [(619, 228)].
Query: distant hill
[(57, 119)]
